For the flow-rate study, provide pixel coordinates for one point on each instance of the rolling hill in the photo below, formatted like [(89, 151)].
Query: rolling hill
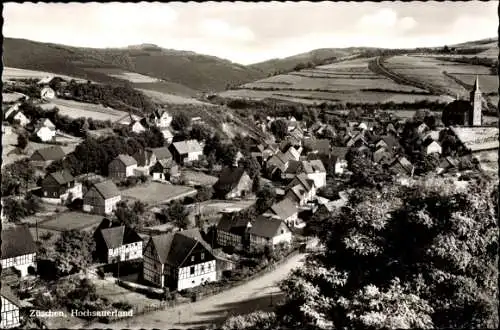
[(170, 71)]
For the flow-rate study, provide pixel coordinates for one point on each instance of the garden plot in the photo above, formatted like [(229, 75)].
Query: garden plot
[(154, 193)]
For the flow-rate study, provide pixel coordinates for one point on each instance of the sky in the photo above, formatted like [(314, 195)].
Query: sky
[(248, 33)]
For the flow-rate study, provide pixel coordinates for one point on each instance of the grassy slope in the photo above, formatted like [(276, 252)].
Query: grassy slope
[(288, 63), (184, 71)]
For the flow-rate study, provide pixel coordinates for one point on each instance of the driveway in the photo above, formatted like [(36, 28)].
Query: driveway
[(260, 293)]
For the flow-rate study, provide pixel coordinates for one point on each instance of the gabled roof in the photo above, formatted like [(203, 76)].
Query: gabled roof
[(107, 189), (188, 146), (8, 294), (404, 163), (62, 177), (339, 152), (233, 223), (119, 235), (174, 248), (44, 122), (266, 226), (303, 180), (390, 141), (161, 153), (427, 142), (229, 179), (50, 153), (316, 166), (167, 134), (126, 160), (17, 241), (283, 209), (294, 166)]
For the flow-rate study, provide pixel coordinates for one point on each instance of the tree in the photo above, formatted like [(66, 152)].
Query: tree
[(204, 194), (13, 209), (256, 184), (266, 197), (126, 215), (279, 128), (227, 154), (22, 141), (200, 132), (251, 166), (74, 251), (365, 172), (423, 256), (177, 214), (180, 122), (256, 320)]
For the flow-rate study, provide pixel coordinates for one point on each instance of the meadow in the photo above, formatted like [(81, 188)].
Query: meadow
[(71, 220), (15, 73), (75, 109)]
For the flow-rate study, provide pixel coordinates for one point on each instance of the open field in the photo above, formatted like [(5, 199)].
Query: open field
[(12, 97), (154, 193), (487, 83), (71, 220), (166, 98), (430, 70), (75, 109), (132, 77), (348, 81), (15, 73)]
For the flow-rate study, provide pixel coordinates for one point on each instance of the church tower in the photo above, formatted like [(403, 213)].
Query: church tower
[(476, 102)]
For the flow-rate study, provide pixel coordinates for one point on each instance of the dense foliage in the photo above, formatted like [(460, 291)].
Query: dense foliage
[(73, 251), (423, 256)]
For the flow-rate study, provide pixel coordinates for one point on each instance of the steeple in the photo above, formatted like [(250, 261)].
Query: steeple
[(476, 85), (476, 100)]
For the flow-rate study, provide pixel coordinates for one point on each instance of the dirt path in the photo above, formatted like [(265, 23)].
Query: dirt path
[(260, 293)]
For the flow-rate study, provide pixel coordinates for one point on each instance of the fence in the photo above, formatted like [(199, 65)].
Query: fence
[(140, 310)]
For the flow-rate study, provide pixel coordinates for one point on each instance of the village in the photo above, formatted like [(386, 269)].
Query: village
[(183, 214)]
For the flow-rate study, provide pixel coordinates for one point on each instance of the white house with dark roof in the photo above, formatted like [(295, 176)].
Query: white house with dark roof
[(18, 249), (45, 134), (101, 198), (269, 230), (117, 242), (13, 114), (432, 146), (301, 190), (161, 118), (179, 260), (233, 182), (10, 309), (61, 187), (286, 210), (122, 166), (186, 151)]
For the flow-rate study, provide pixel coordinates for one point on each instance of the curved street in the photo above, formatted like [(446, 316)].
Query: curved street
[(260, 293)]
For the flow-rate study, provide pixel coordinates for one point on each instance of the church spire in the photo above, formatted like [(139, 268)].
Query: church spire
[(476, 84)]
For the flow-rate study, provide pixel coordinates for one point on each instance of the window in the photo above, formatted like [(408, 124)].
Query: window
[(192, 258), (191, 271), (209, 267), (202, 268), (202, 255), (282, 231)]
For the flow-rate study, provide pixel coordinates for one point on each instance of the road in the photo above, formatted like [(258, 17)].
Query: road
[(260, 293)]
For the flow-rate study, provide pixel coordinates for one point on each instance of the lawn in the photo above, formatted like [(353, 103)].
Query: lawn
[(132, 77), (71, 220), (199, 178), (154, 193), (75, 109)]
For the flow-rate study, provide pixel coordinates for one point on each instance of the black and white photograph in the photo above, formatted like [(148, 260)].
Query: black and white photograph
[(250, 165)]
